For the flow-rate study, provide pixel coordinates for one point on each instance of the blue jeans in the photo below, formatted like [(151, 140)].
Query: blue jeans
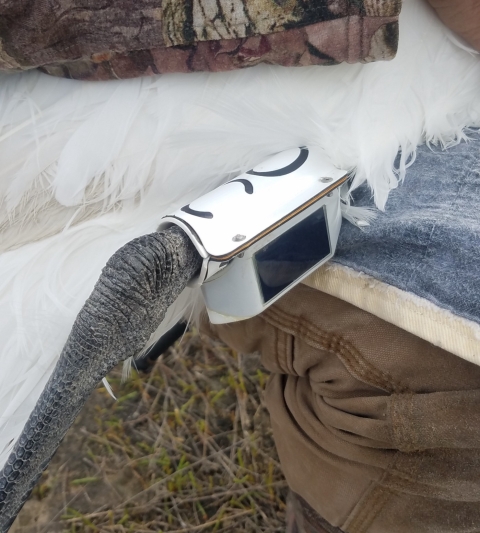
[(428, 240)]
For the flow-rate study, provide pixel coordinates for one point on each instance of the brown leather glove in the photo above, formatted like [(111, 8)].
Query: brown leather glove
[(461, 16)]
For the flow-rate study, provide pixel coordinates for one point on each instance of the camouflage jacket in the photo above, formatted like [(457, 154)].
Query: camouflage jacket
[(105, 39)]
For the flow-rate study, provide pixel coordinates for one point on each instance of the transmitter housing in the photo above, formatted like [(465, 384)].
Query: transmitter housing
[(264, 231)]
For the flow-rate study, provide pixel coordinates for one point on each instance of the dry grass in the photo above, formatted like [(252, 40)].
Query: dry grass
[(187, 448)]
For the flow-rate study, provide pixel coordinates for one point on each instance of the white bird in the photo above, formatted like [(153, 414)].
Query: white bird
[(86, 167)]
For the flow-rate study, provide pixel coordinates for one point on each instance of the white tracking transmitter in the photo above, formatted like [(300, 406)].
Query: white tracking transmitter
[(264, 231)]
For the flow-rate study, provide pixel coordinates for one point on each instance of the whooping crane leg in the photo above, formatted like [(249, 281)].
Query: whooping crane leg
[(135, 289)]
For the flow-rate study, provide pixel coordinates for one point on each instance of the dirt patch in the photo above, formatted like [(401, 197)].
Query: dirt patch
[(185, 448)]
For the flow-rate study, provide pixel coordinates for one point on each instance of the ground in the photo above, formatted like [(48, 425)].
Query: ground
[(185, 448)]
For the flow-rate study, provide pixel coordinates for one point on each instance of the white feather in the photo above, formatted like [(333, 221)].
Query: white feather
[(88, 166), (107, 385), (359, 216)]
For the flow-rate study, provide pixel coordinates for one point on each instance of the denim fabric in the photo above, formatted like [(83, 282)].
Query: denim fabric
[(428, 240)]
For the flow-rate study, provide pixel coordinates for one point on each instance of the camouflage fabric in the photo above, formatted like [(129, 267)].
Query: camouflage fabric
[(111, 39)]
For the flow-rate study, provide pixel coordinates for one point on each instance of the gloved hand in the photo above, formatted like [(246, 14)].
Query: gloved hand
[(461, 16)]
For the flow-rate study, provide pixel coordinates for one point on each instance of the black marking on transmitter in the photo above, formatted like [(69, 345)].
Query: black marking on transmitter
[(295, 165), (201, 214), (247, 184)]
